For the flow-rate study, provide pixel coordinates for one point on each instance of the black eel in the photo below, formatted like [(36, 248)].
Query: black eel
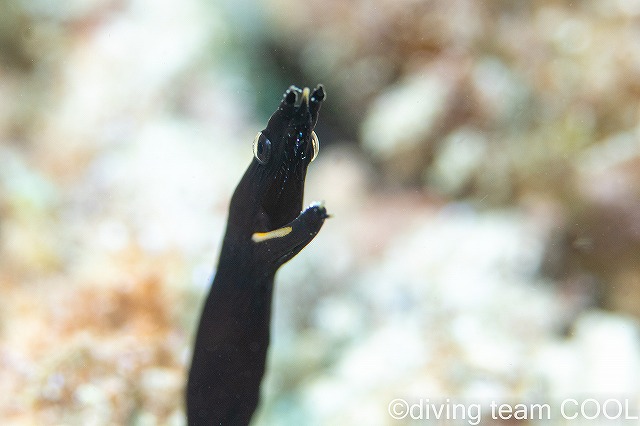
[(265, 229)]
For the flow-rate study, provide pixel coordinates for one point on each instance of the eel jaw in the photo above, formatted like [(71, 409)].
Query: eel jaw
[(259, 237)]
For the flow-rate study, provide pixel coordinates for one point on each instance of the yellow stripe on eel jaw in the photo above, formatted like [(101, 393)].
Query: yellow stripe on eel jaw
[(305, 95), (259, 237)]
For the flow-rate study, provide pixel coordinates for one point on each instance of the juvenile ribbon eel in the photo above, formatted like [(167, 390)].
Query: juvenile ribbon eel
[(265, 229)]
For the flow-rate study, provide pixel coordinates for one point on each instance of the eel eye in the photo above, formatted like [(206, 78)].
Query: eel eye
[(262, 148), (315, 143)]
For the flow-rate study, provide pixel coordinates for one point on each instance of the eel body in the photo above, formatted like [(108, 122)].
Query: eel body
[(265, 229)]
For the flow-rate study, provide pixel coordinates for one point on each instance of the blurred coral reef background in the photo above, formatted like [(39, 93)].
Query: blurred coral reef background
[(481, 161)]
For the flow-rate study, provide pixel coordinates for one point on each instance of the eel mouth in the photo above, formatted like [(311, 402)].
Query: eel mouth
[(283, 198)]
